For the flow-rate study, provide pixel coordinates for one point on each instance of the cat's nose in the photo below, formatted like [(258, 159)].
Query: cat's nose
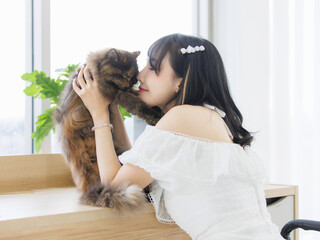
[(133, 81)]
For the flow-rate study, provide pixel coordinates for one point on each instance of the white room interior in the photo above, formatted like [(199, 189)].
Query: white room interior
[(270, 48)]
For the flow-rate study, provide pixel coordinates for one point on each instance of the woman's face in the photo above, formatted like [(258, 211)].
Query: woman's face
[(158, 89)]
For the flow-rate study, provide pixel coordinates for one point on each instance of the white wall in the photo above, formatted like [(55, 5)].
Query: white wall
[(241, 34), (271, 53)]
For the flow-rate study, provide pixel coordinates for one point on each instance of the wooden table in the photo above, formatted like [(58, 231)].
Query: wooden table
[(39, 201)]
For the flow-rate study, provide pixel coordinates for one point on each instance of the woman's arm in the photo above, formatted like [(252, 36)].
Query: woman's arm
[(110, 169), (108, 162), (107, 159), (131, 174), (120, 135), (97, 105)]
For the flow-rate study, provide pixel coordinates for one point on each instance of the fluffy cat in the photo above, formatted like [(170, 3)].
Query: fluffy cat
[(115, 71)]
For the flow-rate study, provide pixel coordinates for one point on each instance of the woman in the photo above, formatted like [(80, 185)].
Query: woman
[(203, 175)]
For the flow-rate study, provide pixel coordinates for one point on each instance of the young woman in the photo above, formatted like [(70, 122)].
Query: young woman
[(203, 174)]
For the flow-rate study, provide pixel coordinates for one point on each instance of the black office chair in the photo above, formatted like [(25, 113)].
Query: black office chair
[(294, 224), (299, 223)]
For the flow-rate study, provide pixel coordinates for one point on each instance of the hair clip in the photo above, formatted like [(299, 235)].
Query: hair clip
[(192, 49)]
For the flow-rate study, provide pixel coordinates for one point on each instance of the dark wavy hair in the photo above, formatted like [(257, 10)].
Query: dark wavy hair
[(203, 76)]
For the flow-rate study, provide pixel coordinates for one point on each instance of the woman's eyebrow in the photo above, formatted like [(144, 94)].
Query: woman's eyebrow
[(152, 59)]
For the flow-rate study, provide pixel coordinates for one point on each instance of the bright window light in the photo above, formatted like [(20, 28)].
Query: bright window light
[(12, 61), (79, 27)]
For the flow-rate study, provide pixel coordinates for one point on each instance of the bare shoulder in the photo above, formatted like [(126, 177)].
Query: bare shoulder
[(173, 119), (195, 121)]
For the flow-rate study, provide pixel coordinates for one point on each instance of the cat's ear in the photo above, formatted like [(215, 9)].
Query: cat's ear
[(136, 54), (112, 54)]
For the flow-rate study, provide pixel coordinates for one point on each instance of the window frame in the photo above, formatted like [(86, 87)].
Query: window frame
[(37, 58), (28, 126)]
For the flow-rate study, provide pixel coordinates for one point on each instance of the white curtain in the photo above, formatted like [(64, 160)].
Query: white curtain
[(295, 108), (271, 49)]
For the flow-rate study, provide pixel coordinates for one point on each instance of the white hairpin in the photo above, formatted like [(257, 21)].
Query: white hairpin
[(192, 49)]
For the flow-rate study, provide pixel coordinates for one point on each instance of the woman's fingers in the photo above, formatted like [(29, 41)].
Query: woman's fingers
[(87, 75), (84, 79), (75, 86), (80, 79)]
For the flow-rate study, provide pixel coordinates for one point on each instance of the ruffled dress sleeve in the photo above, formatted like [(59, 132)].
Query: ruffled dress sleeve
[(175, 160)]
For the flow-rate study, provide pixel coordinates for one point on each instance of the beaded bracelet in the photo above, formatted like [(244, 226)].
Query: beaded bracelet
[(102, 125)]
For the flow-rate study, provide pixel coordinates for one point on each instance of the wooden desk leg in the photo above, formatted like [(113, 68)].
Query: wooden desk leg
[(296, 211)]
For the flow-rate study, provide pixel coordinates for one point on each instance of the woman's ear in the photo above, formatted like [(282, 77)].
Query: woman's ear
[(178, 83)]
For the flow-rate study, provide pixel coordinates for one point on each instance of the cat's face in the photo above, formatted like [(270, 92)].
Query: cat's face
[(118, 67)]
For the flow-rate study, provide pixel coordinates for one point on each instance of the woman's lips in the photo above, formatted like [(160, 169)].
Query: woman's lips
[(141, 90)]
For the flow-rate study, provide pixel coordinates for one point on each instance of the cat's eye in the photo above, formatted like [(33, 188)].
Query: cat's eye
[(125, 76)]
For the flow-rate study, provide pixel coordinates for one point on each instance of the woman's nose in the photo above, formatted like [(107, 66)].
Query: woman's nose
[(141, 74)]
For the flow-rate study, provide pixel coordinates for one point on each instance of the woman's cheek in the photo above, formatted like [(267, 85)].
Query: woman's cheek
[(146, 99)]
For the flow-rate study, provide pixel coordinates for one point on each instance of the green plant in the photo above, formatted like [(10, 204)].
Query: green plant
[(44, 87)]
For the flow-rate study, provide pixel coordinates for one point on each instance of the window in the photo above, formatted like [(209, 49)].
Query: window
[(76, 28), (13, 122)]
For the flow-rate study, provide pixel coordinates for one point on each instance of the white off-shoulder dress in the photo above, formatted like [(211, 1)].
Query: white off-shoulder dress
[(212, 190)]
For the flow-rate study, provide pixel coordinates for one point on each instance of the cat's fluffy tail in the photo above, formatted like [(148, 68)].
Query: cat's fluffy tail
[(125, 199)]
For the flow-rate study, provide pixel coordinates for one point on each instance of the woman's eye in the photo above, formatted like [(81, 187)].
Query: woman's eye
[(152, 68)]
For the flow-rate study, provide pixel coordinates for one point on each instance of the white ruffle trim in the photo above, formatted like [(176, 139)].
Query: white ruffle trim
[(175, 159), (156, 198)]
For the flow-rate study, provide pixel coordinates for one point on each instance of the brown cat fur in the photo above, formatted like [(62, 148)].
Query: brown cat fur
[(115, 71), (124, 199)]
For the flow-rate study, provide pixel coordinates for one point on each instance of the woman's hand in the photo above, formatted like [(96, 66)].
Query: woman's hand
[(90, 95)]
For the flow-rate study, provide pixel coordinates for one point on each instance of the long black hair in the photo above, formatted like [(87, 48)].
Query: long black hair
[(203, 76)]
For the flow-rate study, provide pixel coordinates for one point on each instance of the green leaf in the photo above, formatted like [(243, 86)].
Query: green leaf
[(124, 113), (32, 90), (62, 83), (70, 69), (54, 101), (44, 125), (41, 133), (30, 77), (49, 88), (38, 145)]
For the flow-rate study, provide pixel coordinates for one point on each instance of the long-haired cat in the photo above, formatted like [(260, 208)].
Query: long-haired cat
[(115, 71)]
